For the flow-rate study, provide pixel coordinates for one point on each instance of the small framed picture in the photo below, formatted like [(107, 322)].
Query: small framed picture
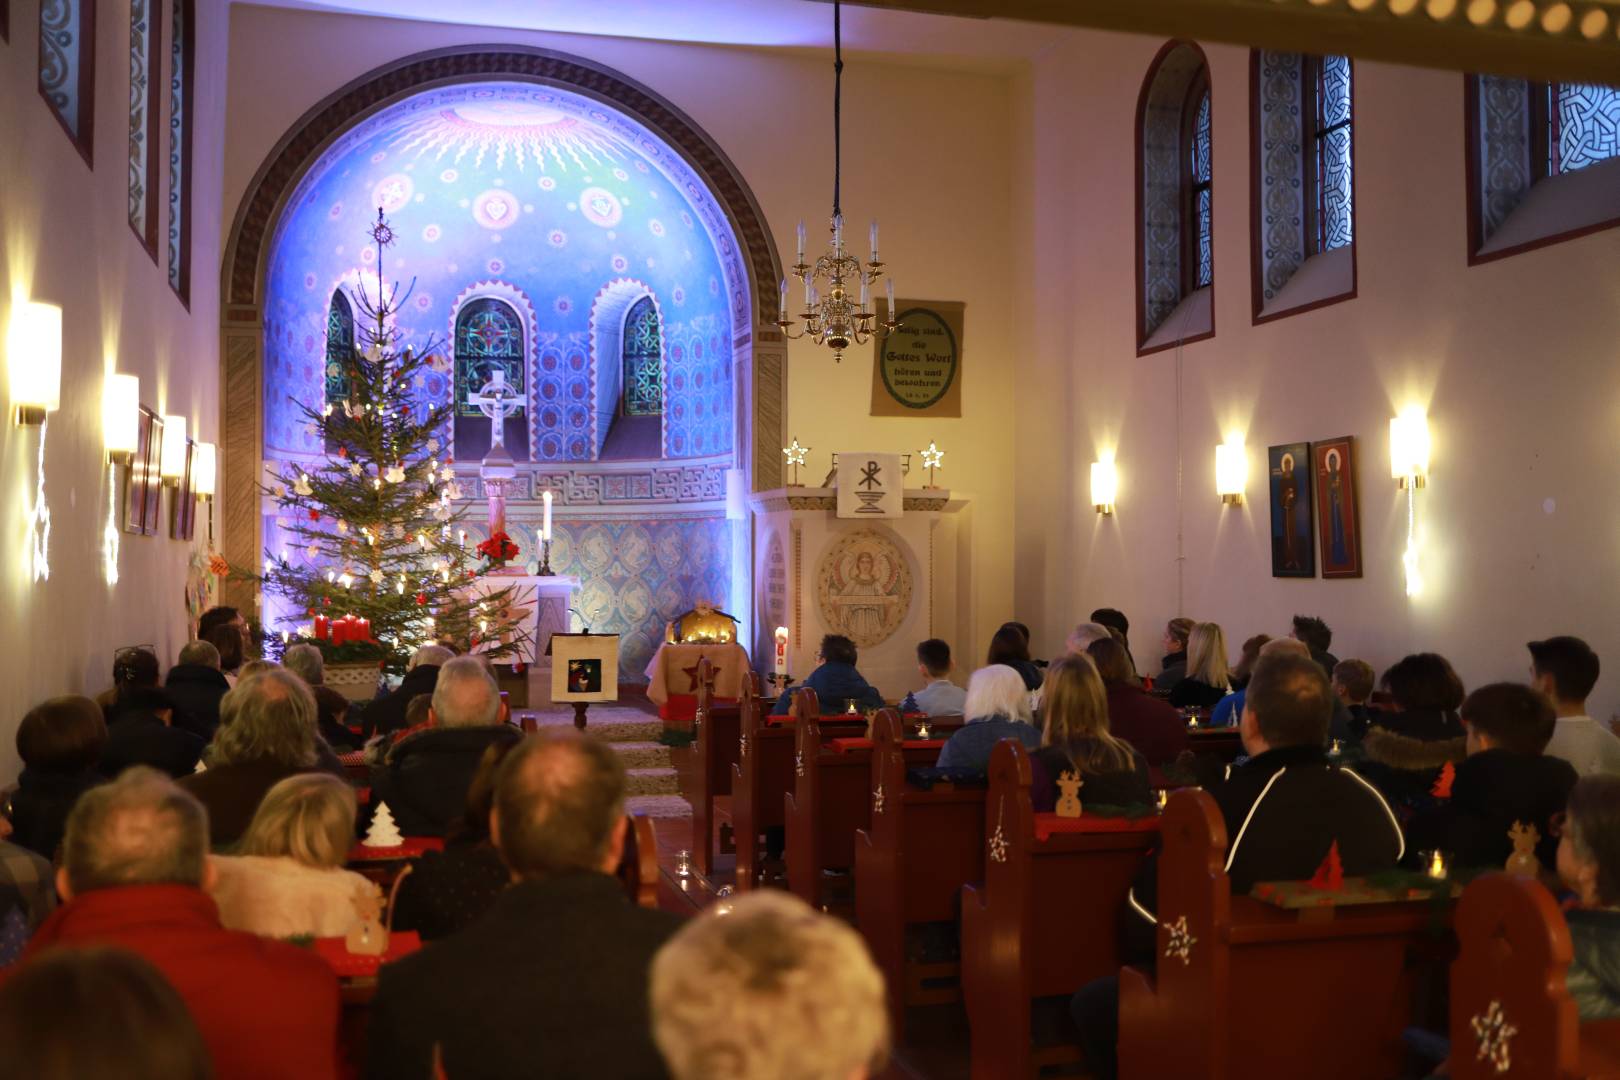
[(584, 667), (1293, 549), (1337, 522), (141, 480), (183, 517)]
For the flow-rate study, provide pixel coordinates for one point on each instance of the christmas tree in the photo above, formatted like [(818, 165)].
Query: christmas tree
[(379, 563)]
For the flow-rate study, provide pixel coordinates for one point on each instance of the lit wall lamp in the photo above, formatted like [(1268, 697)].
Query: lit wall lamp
[(34, 357), (121, 417), (1104, 484), (204, 469), (172, 464), (1231, 472), (1409, 447)]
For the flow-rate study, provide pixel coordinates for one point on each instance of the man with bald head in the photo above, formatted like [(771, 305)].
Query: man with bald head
[(425, 778), (1226, 713), (553, 980)]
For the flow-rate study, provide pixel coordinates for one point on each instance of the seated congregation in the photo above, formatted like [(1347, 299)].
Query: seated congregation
[(180, 849)]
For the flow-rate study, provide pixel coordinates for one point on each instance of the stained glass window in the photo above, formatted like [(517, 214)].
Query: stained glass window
[(643, 361), (1585, 126), (339, 348), (1332, 207), (181, 78), (144, 34), (67, 67), (1202, 194), (489, 338)]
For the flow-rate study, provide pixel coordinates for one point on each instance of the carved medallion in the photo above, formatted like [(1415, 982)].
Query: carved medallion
[(864, 587)]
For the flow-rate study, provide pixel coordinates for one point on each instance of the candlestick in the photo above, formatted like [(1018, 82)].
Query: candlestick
[(545, 521), (783, 308), (545, 558)]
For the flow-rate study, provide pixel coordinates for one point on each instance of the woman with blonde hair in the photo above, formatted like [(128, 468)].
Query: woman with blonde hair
[(1075, 738), (1208, 679), (289, 879)]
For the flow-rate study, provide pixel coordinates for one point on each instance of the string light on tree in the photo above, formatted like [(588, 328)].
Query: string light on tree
[(932, 458), (796, 456)]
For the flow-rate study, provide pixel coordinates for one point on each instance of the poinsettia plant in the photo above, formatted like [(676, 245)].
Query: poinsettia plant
[(499, 548)]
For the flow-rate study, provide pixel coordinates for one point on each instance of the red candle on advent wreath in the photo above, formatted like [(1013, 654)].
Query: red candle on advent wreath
[(363, 629)]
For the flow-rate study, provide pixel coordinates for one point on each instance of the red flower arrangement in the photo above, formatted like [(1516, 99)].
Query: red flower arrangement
[(498, 548)]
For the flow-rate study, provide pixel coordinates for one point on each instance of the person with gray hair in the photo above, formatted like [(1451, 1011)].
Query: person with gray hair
[(135, 874), (552, 980), (266, 734), (331, 707), (997, 708), (386, 714), (425, 777), (770, 987)]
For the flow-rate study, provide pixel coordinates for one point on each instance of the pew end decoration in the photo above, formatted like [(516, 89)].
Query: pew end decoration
[(368, 936), (1068, 804), (1523, 861)]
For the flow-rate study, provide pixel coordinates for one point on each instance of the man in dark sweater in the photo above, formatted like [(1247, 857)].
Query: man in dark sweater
[(554, 980), (196, 684), (1283, 809)]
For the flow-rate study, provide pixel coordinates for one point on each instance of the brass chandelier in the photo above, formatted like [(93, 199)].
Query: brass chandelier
[(834, 317)]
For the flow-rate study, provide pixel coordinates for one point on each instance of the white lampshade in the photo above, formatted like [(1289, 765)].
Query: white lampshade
[(121, 415), (204, 469), (34, 359), (1409, 446), (173, 461), (1231, 471), (1104, 485)]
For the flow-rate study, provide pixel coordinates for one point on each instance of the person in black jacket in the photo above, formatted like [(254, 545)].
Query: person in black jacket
[(60, 744), (1075, 737), (1407, 747), (196, 684), (331, 707), (554, 980), (425, 778), (140, 721), (1283, 808), (1505, 779), (386, 714)]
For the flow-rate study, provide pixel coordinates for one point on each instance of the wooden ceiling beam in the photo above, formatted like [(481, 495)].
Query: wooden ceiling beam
[(1552, 44)]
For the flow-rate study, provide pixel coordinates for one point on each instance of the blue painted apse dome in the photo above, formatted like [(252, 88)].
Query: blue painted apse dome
[(548, 236)]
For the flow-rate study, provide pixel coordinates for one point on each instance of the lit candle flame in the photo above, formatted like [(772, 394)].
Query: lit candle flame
[(1437, 866)]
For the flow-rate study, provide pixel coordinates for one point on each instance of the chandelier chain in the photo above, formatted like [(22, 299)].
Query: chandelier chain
[(838, 102)]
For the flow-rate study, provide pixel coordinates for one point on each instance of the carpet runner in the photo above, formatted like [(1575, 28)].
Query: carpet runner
[(633, 734)]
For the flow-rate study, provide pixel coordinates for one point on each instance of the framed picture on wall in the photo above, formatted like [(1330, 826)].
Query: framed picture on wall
[(183, 518), (141, 477), (1338, 523), (1293, 551)]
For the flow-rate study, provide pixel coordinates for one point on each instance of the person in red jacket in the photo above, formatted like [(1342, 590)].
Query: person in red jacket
[(135, 874)]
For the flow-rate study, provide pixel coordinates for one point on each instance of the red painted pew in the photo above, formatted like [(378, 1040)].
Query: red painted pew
[(716, 728), (922, 846), (764, 772), (1333, 985), (1045, 920), (832, 798), (1509, 974)]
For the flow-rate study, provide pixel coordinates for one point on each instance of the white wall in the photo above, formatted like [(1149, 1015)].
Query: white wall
[(1513, 360), (926, 151), (64, 238)]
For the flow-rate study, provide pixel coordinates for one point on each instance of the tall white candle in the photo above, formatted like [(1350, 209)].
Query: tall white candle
[(874, 240), (781, 650), (783, 313), (866, 292), (545, 522), (801, 241), (890, 285)]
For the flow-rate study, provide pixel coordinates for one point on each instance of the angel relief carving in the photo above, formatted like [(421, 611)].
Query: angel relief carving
[(864, 587)]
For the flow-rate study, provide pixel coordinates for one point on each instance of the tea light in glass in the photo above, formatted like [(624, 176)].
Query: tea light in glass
[(1163, 798), (1437, 865), (683, 864)]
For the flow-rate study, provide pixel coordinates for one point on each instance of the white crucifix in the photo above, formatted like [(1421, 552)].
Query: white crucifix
[(497, 401)]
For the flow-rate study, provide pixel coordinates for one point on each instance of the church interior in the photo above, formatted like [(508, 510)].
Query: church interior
[(761, 389)]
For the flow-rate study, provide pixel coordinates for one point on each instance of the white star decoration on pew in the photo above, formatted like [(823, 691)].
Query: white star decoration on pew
[(742, 746), (798, 763), (998, 845), (1181, 942), (1495, 1036), (877, 800)]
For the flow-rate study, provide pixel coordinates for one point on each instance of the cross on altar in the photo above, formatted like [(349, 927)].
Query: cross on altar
[(497, 401)]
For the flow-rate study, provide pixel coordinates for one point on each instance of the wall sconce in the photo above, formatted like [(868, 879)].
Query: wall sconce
[(121, 417), (1104, 484), (34, 357), (1231, 472), (204, 469), (1409, 447), (172, 464)]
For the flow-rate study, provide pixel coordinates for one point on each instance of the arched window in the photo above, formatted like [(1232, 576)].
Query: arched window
[(339, 352), (1175, 201), (489, 338), (1543, 163), (1303, 178), (643, 361)]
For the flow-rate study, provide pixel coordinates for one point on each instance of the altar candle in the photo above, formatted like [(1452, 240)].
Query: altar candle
[(545, 521), (781, 650)]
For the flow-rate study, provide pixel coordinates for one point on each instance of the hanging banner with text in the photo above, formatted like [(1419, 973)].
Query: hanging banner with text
[(917, 370)]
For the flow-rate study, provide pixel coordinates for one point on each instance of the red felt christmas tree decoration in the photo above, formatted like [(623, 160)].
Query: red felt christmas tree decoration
[(1330, 875), (1442, 783)]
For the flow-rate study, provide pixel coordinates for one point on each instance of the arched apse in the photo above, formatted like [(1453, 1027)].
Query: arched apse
[(488, 106)]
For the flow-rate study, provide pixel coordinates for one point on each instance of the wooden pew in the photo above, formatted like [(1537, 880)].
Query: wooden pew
[(1045, 920), (764, 771), (1245, 989), (831, 799), (716, 729), (638, 866), (910, 866), (1514, 950)]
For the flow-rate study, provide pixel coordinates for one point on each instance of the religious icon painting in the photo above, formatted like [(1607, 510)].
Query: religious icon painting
[(143, 487), (1337, 521), (1293, 548)]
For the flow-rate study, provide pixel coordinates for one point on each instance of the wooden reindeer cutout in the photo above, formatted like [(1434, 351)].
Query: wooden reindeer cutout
[(1523, 861), (1068, 804)]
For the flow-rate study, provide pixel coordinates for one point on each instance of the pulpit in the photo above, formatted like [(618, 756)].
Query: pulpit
[(886, 583)]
